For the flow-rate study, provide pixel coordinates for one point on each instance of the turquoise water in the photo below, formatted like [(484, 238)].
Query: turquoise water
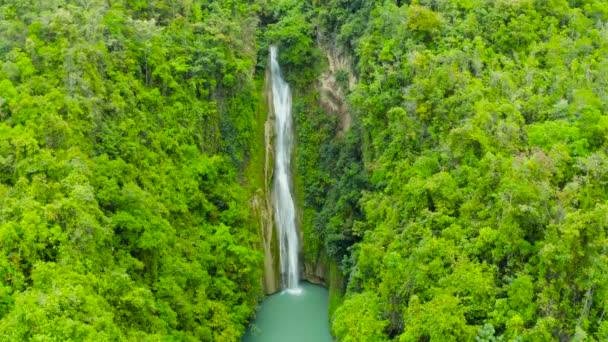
[(286, 317)]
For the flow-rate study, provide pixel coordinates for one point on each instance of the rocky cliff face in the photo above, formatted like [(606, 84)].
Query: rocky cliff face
[(337, 79), (317, 271), (263, 201)]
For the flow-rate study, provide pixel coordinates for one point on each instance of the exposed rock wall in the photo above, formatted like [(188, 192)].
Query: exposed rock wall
[(272, 275), (317, 271), (337, 78)]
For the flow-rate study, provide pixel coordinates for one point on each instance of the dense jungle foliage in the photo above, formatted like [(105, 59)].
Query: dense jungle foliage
[(467, 200), (125, 127)]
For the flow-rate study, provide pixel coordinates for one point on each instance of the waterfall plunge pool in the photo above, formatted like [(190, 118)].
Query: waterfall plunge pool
[(291, 317)]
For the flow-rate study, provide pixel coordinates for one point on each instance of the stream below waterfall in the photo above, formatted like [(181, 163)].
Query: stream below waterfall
[(290, 317)]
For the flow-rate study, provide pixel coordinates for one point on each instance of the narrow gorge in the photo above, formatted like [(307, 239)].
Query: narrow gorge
[(300, 311)]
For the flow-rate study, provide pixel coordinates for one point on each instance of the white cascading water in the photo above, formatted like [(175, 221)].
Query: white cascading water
[(284, 207)]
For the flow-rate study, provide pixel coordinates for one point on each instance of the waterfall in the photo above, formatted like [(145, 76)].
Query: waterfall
[(284, 208)]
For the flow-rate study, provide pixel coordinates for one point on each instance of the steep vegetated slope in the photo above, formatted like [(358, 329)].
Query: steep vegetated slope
[(125, 130), (485, 131), (468, 201)]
